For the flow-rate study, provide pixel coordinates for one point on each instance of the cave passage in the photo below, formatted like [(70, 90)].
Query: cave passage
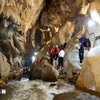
[(38, 35)]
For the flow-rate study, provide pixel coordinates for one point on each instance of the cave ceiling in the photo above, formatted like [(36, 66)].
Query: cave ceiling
[(54, 18)]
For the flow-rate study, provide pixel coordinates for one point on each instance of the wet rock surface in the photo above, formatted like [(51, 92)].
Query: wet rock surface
[(33, 90), (75, 96)]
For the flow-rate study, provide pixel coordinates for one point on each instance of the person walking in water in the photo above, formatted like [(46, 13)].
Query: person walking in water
[(61, 57)]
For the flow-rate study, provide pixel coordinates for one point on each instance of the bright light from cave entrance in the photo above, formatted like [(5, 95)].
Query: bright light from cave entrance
[(33, 58), (90, 23), (95, 15)]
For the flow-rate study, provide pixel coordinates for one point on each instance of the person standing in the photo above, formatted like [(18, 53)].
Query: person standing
[(82, 39), (52, 52), (61, 57), (81, 53), (57, 50), (55, 58)]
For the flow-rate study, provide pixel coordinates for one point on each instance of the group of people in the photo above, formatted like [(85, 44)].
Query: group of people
[(57, 52), (57, 55)]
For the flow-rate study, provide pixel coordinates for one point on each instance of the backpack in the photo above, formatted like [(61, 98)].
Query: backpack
[(86, 43)]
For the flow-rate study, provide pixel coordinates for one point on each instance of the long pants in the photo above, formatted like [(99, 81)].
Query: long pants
[(55, 62), (81, 57), (60, 61), (51, 59)]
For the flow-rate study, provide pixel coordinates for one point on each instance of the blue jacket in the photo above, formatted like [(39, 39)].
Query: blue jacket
[(82, 39)]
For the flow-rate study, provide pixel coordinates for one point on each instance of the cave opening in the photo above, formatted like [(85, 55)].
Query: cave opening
[(38, 36)]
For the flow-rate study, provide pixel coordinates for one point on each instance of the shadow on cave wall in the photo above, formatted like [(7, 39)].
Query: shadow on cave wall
[(47, 4)]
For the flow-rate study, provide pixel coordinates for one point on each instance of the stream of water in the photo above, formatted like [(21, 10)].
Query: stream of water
[(34, 90)]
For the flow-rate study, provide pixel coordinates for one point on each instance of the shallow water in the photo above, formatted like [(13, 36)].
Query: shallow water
[(34, 90)]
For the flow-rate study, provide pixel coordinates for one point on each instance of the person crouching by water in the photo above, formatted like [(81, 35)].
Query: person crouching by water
[(61, 57)]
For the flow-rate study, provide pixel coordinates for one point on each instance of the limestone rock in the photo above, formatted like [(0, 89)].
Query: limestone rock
[(69, 67), (24, 13), (95, 4), (19, 42), (49, 73), (71, 60), (61, 82), (75, 96), (4, 66), (15, 74), (2, 4), (2, 84), (45, 72), (67, 31), (89, 78)]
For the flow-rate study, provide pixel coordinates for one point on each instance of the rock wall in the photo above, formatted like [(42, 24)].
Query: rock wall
[(64, 19), (16, 18), (22, 12), (4, 66)]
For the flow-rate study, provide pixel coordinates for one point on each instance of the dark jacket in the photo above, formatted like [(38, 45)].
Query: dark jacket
[(81, 50)]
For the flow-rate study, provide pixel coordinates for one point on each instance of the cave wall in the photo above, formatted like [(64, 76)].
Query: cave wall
[(65, 18), (17, 18), (22, 12), (59, 21)]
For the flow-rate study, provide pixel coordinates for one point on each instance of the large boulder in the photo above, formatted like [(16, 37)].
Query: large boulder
[(4, 66), (75, 96), (45, 72), (89, 78), (70, 68), (4, 70), (71, 60)]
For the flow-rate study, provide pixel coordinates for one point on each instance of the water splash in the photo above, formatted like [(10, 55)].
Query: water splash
[(35, 90)]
